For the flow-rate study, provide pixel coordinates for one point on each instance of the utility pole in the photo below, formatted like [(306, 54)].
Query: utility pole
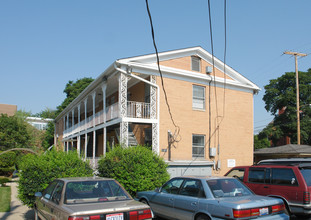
[(297, 91)]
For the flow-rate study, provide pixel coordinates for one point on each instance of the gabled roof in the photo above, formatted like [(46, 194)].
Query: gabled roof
[(150, 62)]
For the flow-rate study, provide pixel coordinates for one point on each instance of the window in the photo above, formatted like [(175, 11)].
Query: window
[(48, 191), (57, 193), (196, 63), (172, 186), (256, 176), (198, 97), (237, 173), (198, 147), (192, 188), (284, 177)]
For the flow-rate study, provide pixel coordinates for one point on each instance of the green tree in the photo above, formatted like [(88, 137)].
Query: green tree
[(13, 132), (72, 90), (136, 168), (47, 113), (48, 137), (38, 171), (280, 95)]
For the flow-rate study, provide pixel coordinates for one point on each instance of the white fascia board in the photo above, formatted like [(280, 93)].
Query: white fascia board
[(168, 72)]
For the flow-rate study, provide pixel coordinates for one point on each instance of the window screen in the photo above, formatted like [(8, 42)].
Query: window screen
[(196, 63), (198, 97)]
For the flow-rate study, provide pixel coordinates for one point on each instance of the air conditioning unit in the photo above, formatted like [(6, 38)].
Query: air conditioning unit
[(209, 70), (212, 152)]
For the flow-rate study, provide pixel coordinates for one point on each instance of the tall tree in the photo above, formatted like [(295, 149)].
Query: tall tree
[(13, 132), (72, 90), (280, 100)]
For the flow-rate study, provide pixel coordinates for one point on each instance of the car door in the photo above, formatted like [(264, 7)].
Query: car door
[(187, 201), (259, 180), (44, 204), (56, 212), (162, 203)]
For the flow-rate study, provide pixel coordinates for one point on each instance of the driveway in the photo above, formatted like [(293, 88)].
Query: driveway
[(18, 210)]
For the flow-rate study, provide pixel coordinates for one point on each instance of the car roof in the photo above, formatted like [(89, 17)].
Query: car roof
[(204, 177), (78, 179)]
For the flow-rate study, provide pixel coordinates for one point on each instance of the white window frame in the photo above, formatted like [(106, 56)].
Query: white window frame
[(198, 103), (198, 146)]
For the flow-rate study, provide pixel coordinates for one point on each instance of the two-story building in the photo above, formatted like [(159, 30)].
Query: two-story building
[(198, 118)]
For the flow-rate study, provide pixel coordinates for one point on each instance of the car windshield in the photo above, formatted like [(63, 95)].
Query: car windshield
[(94, 191), (227, 188)]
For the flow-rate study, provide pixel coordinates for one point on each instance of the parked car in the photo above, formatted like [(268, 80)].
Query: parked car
[(88, 198), (290, 182), (206, 198)]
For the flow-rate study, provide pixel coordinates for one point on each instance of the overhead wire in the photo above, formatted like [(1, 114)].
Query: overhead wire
[(177, 128)]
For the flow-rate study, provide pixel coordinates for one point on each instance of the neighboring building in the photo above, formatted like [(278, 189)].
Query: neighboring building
[(126, 104), (10, 110), (39, 123), (285, 151)]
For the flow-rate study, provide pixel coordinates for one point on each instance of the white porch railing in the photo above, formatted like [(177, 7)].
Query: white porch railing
[(134, 110)]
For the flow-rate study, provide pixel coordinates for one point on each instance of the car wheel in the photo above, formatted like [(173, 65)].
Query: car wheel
[(202, 217)]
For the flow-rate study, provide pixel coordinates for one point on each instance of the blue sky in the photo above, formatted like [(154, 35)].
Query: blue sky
[(44, 44)]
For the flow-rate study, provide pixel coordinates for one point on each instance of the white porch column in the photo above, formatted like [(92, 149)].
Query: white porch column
[(73, 117), (104, 87), (123, 109), (78, 144), (67, 122), (154, 111), (64, 118), (85, 146), (93, 98), (94, 145), (85, 114)]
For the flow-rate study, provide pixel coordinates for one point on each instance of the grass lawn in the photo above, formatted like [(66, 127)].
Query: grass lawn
[(5, 199)]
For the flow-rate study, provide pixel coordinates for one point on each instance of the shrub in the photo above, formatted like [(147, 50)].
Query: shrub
[(136, 168), (7, 159), (3, 181), (38, 171)]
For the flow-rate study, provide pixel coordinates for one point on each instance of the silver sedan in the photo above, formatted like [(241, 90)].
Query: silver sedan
[(206, 198), (88, 198)]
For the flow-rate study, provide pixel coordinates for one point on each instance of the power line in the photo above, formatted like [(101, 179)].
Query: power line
[(159, 69)]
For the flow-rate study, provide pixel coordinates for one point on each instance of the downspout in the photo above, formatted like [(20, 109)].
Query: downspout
[(145, 81)]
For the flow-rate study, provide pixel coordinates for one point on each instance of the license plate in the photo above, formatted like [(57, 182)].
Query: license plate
[(263, 211), (118, 216)]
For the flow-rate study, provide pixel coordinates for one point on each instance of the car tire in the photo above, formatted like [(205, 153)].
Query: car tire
[(202, 217)]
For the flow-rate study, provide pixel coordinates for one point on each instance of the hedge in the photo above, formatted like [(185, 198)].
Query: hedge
[(136, 168), (36, 172)]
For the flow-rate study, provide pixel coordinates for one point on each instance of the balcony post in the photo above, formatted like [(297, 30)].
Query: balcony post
[(93, 98), (104, 87), (123, 108), (85, 113)]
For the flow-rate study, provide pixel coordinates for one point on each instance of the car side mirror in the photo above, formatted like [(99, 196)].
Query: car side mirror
[(38, 194)]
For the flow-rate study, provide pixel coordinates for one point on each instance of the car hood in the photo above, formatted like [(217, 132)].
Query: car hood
[(249, 201), (104, 207)]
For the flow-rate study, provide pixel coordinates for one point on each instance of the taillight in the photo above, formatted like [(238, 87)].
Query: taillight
[(306, 198), (278, 208), (87, 217), (141, 214), (244, 213)]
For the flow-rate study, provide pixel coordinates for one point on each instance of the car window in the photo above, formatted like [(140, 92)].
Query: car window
[(256, 175), (172, 186), (49, 190), (57, 192), (306, 173), (227, 188), (192, 188), (237, 173), (283, 176), (94, 191)]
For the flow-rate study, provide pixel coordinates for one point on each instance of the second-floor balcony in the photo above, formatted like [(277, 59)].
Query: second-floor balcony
[(134, 110)]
